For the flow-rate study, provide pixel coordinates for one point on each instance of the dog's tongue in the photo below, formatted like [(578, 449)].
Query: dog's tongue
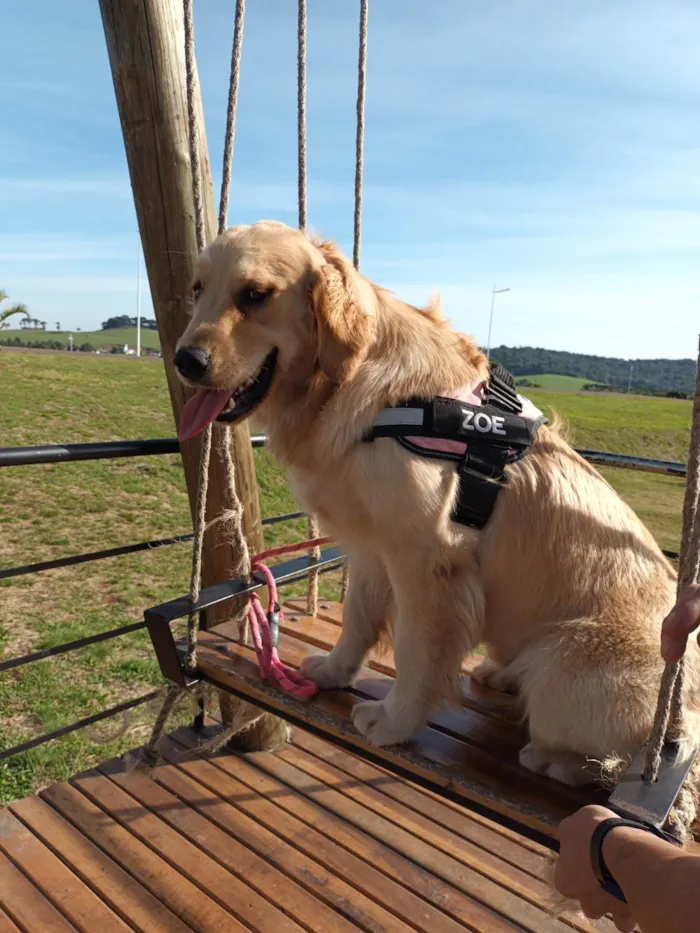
[(201, 410)]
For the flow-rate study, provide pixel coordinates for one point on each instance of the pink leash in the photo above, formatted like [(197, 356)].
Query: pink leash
[(265, 626)]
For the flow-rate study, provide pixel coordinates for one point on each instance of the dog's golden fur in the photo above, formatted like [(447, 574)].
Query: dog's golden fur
[(565, 585)]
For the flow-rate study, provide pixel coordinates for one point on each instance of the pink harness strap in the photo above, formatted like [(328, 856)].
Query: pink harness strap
[(269, 661)]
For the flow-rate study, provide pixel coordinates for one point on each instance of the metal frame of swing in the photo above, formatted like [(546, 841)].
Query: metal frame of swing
[(171, 651)]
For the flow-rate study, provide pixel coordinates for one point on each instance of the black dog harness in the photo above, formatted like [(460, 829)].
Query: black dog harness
[(481, 438)]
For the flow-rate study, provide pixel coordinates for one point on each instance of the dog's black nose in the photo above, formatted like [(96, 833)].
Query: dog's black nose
[(192, 362)]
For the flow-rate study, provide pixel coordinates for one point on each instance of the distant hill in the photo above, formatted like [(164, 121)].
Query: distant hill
[(98, 338), (555, 383), (655, 375)]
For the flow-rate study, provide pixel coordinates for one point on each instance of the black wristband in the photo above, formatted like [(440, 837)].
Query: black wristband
[(600, 869)]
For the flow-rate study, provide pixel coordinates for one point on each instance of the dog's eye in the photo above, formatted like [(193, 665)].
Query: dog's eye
[(254, 297), (197, 291)]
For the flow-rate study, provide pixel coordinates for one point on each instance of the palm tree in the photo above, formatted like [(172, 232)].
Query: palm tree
[(6, 313)]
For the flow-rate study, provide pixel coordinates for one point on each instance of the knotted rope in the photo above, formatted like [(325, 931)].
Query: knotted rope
[(360, 133), (669, 718), (359, 172), (312, 591), (231, 111), (301, 112)]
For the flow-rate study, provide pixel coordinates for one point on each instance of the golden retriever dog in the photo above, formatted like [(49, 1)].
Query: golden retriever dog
[(565, 586)]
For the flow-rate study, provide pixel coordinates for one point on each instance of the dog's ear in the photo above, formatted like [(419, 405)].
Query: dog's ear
[(343, 329)]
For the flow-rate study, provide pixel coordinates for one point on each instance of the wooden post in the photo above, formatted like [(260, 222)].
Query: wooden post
[(145, 43)]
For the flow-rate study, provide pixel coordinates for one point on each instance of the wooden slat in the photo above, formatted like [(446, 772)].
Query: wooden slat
[(198, 911), (56, 882), (434, 755), (381, 872), (331, 892), (350, 800), (27, 905), (418, 861), (528, 886), (198, 815), (252, 911), (6, 924), (124, 894), (381, 875), (323, 634), (454, 821), (503, 740), (327, 609)]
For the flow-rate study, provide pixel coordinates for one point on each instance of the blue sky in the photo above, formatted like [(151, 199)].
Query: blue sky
[(549, 147)]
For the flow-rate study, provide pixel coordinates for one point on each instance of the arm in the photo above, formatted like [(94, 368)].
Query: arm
[(680, 622), (661, 882)]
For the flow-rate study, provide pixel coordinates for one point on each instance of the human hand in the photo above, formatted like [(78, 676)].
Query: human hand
[(680, 622), (574, 877)]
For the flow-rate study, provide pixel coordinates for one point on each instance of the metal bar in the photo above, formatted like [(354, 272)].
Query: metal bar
[(69, 453), (79, 643), (120, 551), (70, 646), (80, 724), (286, 517), (645, 464), (212, 595), (92, 555), (158, 619), (20, 456), (108, 450)]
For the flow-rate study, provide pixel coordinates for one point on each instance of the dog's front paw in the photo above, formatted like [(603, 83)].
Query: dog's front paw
[(489, 674), (566, 768), (325, 671), (373, 719)]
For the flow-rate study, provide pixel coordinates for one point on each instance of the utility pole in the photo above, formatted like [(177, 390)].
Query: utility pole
[(138, 300), (494, 291), (629, 382)]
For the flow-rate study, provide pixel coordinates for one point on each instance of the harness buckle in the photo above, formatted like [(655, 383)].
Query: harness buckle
[(479, 479)]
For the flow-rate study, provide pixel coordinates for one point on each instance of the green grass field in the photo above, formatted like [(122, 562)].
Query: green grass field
[(52, 511), (98, 338), (555, 383)]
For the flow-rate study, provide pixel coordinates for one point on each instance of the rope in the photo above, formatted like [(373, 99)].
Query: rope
[(668, 721), (312, 595), (312, 592), (231, 113), (359, 173), (360, 136), (198, 546), (190, 71), (234, 518), (301, 111)]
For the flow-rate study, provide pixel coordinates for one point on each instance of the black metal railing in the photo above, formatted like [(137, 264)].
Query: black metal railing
[(160, 618), (71, 453)]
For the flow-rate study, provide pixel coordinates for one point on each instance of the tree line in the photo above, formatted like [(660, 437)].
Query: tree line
[(123, 320), (654, 376)]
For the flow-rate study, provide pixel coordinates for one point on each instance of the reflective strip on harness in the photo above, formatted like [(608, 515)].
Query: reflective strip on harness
[(495, 427)]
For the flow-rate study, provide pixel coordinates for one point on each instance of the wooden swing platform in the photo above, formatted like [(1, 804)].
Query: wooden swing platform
[(313, 837), (325, 835), (469, 755)]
